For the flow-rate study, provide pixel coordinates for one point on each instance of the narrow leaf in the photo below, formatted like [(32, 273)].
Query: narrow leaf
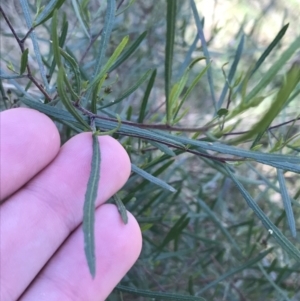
[(61, 41), (151, 178), (64, 31), (170, 37), (188, 57), (47, 12), (61, 79), (128, 51), (146, 97), (232, 71), (55, 41), (89, 207), (219, 224), (79, 18), (24, 61), (75, 69), (288, 85), (163, 148), (194, 83), (269, 49), (205, 51), (268, 77), (175, 231), (129, 91), (121, 208), (110, 62), (35, 43), (95, 93), (131, 2), (287, 203), (234, 271), (105, 36), (272, 229), (157, 295)]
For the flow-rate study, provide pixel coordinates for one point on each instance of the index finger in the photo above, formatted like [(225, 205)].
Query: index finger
[(29, 142)]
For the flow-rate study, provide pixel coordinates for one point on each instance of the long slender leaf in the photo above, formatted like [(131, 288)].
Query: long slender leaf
[(55, 40), (234, 271), (110, 62), (279, 291), (156, 295), (273, 230), (99, 72), (47, 12), (191, 87), (188, 57), (146, 97), (79, 18), (232, 71), (269, 49), (61, 79), (105, 36), (64, 31), (205, 51), (151, 178), (287, 203), (128, 51), (129, 91), (219, 224), (88, 223), (24, 60), (163, 148), (131, 2), (96, 91), (288, 85), (75, 69), (267, 78), (121, 208), (61, 41), (175, 231), (170, 37), (26, 11)]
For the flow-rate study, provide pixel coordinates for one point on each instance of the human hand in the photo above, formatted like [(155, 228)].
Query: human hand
[(42, 188)]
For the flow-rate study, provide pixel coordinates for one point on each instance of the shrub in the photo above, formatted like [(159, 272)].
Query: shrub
[(210, 126)]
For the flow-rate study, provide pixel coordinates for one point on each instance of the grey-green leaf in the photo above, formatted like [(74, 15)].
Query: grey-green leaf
[(89, 207), (151, 178), (121, 208), (24, 60), (157, 295), (236, 270), (286, 202), (48, 11), (273, 230)]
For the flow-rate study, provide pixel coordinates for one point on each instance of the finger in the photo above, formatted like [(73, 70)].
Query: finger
[(36, 220), (29, 141), (66, 277)]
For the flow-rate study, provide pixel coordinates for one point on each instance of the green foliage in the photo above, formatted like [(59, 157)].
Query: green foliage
[(215, 155), (89, 207)]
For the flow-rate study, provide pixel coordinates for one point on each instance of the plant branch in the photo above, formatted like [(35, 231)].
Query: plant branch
[(270, 128), (21, 45), (27, 34), (212, 157), (163, 127), (93, 40)]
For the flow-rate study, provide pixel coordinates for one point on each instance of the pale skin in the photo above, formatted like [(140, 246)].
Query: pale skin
[(42, 194)]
